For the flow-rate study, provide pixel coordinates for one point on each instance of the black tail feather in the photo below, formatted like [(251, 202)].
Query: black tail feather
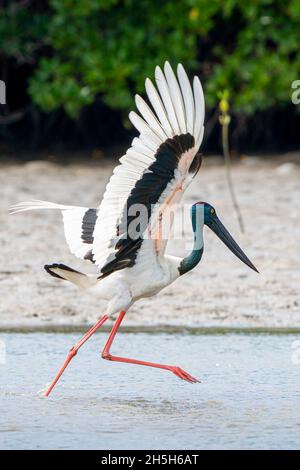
[(48, 267)]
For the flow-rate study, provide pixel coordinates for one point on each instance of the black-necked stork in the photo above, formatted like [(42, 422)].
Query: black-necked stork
[(152, 177)]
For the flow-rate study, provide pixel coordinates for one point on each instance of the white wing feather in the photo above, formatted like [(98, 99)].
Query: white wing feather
[(72, 219), (148, 115), (158, 106), (188, 98), (166, 97), (176, 97), (200, 107)]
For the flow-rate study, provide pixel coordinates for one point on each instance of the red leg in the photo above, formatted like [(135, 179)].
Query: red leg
[(106, 355), (73, 352)]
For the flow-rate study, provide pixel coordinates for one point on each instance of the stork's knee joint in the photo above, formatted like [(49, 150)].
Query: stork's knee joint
[(106, 355), (73, 352)]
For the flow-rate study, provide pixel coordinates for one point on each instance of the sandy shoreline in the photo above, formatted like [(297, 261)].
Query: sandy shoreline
[(220, 292)]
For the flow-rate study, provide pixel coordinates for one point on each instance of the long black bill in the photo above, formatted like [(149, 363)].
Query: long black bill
[(221, 232)]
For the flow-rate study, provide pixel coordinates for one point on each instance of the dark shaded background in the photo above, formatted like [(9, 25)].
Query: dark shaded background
[(52, 51)]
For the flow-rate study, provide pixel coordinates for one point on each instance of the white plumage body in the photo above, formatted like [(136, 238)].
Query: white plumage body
[(122, 288)]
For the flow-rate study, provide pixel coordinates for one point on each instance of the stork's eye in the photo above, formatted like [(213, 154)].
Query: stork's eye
[(212, 211)]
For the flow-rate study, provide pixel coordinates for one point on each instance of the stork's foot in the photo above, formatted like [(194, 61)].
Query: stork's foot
[(183, 375)]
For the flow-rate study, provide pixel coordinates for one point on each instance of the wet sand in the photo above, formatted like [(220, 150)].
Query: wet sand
[(220, 292)]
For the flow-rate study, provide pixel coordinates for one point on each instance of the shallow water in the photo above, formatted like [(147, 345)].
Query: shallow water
[(248, 397)]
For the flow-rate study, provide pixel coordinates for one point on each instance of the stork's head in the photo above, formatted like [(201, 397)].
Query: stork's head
[(205, 214)]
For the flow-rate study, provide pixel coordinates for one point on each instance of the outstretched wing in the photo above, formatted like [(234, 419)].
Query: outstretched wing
[(79, 224), (155, 171)]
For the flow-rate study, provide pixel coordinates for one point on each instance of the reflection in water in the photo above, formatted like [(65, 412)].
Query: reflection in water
[(248, 396)]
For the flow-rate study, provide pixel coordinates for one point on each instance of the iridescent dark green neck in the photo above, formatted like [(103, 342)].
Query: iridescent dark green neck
[(190, 261)]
